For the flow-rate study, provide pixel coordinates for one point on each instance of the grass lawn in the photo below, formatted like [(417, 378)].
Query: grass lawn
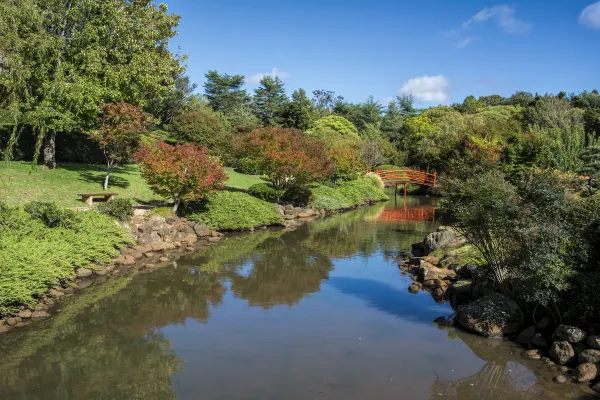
[(20, 184)]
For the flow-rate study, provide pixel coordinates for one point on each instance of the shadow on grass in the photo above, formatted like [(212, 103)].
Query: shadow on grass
[(92, 173)]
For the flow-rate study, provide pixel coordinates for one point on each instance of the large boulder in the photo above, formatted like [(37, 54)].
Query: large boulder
[(562, 352), (492, 316), (460, 293), (569, 333), (524, 338), (442, 238), (586, 372)]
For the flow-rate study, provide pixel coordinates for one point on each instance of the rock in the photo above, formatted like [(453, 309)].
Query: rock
[(547, 360), (159, 246), (163, 259), (84, 272), (430, 284), (190, 239), (533, 354), (137, 255), (148, 238), (40, 314), (128, 260), (594, 342), (433, 260), (169, 246), (414, 287), (305, 214), (492, 316), (149, 266), (460, 293), (543, 324), (55, 293), (143, 249), (177, 244), (596, 387), (150, 254), (586, 372), (214, 239), (84, 284), (26, 314), (540, 341), (560, 379), (442, 238), (571, 334), (438, 294), (3, 329), (426, 268), (562, 352), (288, 207), (201, 230), (40, 307), (589, 356), (525, 337), (12, 321), (101, 271)]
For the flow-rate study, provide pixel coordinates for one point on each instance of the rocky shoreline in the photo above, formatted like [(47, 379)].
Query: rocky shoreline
[(574, 352), (155, 242)]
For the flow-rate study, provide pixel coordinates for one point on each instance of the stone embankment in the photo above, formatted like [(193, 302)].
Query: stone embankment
[(156, 242), (574, 352)]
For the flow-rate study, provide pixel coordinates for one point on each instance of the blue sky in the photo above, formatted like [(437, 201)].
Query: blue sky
[(441, 51)]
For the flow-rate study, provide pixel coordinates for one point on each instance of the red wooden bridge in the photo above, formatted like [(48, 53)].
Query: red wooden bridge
[(406, 177)]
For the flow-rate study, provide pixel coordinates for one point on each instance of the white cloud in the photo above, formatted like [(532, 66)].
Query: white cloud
[(427, 88), (590, 16), (503, 16), (459, 39), (275, 72)]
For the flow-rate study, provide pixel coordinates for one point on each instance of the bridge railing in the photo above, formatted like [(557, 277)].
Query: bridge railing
[(408, 176)]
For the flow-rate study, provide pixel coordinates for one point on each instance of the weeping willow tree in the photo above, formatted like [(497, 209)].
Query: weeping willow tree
[(62, 59)]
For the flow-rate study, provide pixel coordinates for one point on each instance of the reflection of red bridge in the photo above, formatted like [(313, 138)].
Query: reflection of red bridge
[(424, 213)]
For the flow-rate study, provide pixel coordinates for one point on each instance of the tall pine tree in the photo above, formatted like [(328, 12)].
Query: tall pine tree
[(299, 112), (269, 100), (225, 93)]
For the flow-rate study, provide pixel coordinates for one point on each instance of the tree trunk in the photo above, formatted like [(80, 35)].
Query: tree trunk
[(176, 202), (50, 149), (106, 178)]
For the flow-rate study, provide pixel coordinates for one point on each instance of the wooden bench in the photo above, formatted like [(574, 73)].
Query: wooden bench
[(88, 198)]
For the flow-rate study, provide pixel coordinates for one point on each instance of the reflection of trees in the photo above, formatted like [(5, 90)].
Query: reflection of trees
[(283, 273), (503, 376), (96, 348)]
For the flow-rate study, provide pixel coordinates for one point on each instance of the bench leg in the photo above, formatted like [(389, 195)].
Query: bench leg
[(108, 198), (89, 200)]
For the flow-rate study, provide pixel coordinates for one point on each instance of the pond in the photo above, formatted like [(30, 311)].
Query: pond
[(321, 312)]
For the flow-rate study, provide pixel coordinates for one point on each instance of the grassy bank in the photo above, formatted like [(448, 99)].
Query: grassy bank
[(19, 184)]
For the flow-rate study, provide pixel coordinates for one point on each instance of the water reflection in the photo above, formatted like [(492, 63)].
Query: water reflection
[(319, 312)]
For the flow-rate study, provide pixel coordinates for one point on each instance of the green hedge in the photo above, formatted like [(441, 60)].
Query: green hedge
[(266, 192), (347, 194), (35, 257), (227, 210)]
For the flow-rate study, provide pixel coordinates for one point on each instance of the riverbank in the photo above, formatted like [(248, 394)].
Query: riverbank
[(146, 242), (446, 267)]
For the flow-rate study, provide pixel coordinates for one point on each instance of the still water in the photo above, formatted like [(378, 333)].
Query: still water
[(321, 312)]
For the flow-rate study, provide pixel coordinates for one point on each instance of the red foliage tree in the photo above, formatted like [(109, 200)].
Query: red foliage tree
[(181, 171), (287, 156), (120, 133)]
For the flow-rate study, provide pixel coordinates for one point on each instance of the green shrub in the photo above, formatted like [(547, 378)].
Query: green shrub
[(329, 198), (35, 257), (51, 215), (121, 209), (266, 192), (235, 211), (248, 166), (297, 195), (347, 194)]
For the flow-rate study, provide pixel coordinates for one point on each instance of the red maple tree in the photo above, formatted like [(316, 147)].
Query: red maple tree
[(287, 156), (181, 171)]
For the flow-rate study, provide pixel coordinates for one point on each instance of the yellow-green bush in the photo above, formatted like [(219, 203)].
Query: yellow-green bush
[(36, 257)]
